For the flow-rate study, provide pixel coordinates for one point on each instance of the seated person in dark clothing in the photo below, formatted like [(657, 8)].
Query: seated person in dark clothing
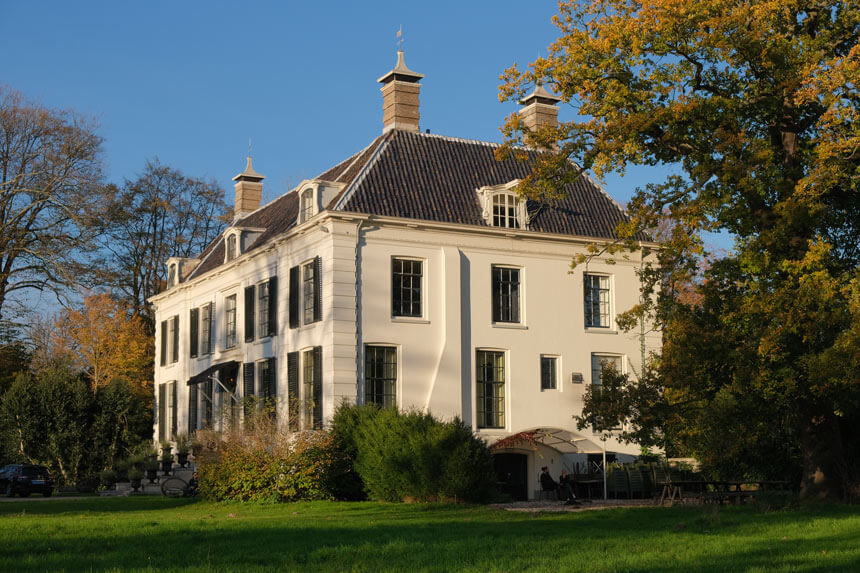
[(566, 485), (564, 492)]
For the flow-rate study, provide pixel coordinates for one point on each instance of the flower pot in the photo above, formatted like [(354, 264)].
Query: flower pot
[(152, 475), (135, 484), (166, 466), (182, 458)]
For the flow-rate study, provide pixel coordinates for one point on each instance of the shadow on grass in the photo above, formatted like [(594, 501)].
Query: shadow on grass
[(375, 537)]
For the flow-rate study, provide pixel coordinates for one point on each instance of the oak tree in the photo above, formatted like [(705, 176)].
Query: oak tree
[(754, 104)]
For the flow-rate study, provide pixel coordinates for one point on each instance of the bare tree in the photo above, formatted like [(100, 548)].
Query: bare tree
[(50, 196), (160, 214)]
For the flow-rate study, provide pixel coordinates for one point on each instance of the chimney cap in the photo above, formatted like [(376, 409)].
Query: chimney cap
[(540, 95), (249, 174), (401, 72)]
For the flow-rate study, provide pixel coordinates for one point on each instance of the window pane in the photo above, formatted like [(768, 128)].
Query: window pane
[(380, 376), (309, 296), (406, 277), (491, 389), (263, 312), (596, 291), (506, 294), (230, 322), (548, 372), (308, 387)]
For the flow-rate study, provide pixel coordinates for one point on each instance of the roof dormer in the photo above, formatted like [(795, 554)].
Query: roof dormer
[(237, 241), (178, 269), (314, 196), (502, 206)]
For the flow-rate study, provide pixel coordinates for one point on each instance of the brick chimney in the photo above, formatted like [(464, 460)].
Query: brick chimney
[(400, 89), (249, 191), (540, 109)]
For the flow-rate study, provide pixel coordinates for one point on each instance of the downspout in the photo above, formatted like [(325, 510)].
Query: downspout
[(359, 371)]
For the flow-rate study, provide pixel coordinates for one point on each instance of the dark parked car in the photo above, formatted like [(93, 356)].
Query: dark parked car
[(25, 479)]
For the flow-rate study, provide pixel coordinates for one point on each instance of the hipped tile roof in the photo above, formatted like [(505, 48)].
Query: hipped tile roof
[(432, 178)]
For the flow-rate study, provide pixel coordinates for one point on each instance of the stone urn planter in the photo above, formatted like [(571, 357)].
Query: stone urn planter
[(182, 459)]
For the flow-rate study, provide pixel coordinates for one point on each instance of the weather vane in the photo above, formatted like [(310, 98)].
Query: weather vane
[(400, 38)]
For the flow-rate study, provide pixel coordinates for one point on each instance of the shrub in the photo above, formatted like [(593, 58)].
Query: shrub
[(412, 455), (259, 462)]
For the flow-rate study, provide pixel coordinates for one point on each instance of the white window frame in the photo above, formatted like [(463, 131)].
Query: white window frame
[(233, 237), (609, 302), (505, 388), (520, 297), (423, 287), (172, 274), (262, 318), (595, 380), (557, 381), (304, 299), (227, 333), (487, 196), (397, 370), (306, 212)]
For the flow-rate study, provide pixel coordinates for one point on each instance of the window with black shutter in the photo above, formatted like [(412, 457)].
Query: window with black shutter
[(317, 289), (162, 414), (248, 386), (250, 296), (193, 323), (294, 297), (192, 409), (317, 385), (163, 346), (174, 357), (174, 415), (206, 314), (271, 380), (293, 390)]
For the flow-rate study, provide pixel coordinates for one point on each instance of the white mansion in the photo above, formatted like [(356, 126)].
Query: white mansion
[(412, 275)]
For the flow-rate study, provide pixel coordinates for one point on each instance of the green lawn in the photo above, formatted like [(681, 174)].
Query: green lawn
[(166, 535)]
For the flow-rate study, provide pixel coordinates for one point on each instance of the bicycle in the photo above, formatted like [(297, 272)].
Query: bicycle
[(178, 487)]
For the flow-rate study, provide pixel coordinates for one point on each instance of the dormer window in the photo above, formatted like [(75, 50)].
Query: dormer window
[(171, 275), (307, 205), (505, 211), (232, 246), (502, 207)]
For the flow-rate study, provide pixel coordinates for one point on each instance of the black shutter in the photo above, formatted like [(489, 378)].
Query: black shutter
[(273, 380), (248, 386), (193, 323), (317, 387), (294, 297), (162, 402), (273, 306), (317, 289), (293, 390), (250, 293), (174, 413), (163, 358), (175, 355), (192, 409)]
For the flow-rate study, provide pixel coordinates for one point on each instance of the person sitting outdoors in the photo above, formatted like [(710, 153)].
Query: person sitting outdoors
[(564, 492)]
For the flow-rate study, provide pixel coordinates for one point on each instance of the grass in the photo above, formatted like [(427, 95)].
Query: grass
[(158, 534)]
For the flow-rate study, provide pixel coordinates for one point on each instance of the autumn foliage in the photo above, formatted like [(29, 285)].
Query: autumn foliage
[(102, 338)]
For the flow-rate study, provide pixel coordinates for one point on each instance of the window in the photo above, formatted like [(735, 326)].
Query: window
[(505, 206), (380, 376), (166, 408), (193, 332), (169, 341), (267, 379), (231, 247), (491, 389), (312, 387), (230, 321), (171, 275), (506, 294), (206, 328), (599, 362), (406, 277), (597, 310), (267, 293), (305, 294), (548, 372), (192, 409), (307, 207)]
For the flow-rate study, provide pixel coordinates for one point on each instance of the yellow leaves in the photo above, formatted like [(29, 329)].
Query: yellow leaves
[(104, 340)]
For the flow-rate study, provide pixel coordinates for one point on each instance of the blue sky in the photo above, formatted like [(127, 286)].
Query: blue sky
[(191, 81)]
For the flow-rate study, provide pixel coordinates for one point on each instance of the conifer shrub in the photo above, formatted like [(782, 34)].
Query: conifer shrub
[(414, 456)]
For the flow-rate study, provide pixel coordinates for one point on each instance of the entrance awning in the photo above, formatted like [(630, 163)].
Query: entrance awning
[(227, 374), (563, 441)]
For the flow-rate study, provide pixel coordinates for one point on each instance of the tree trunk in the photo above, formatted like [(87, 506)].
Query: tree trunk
[(824, 469)]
